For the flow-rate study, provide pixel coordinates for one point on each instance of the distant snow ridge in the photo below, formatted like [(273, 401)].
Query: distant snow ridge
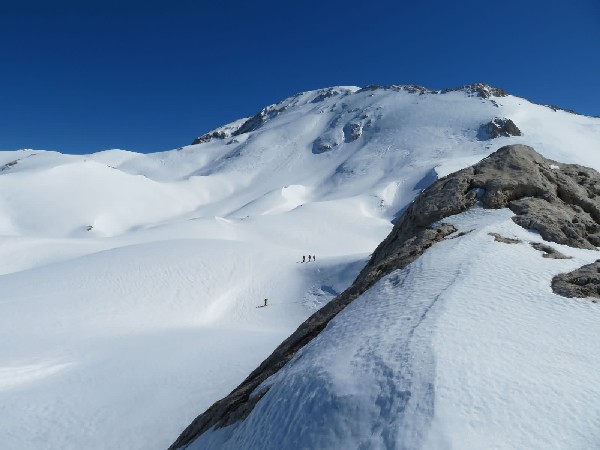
[(247, 125), (361, 372)]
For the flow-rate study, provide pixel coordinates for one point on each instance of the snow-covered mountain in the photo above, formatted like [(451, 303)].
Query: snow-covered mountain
[(131, 284)]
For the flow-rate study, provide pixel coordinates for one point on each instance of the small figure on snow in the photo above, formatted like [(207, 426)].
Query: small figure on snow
[(314, 258), (303, 258), (309, 258), (266, 301)]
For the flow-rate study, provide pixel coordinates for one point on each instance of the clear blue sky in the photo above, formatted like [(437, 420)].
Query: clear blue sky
[(82, 76)]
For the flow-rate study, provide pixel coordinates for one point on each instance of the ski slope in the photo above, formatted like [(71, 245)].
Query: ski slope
[(130, 282)]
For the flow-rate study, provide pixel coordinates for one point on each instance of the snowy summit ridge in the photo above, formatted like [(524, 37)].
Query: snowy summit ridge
[(134, 285), (252, 123)]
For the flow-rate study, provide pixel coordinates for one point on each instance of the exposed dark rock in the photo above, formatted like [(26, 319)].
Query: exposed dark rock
[(257, 120), (328, 93), (476, 89), (581, 283), (549, 252), (209, 137), (410, 88), (461, 234), (560, 204), (322, 145), (8, 165), (352, 131), (498, 127), (479, 89), (499, 238)]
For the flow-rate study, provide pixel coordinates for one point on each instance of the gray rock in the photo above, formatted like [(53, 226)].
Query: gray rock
[(481, 90), (498, 126), (322, 145), (548, 252), (581, 283), (499, 238), (8, 165), (209, 137), (410, 88)]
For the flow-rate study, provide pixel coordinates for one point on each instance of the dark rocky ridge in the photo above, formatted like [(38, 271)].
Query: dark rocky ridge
[(561, 204)]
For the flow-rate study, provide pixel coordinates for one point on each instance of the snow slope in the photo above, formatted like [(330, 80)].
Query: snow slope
[(507, 363), (130, 282)]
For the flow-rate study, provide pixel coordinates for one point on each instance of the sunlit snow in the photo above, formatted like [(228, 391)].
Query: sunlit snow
[(130, 283)]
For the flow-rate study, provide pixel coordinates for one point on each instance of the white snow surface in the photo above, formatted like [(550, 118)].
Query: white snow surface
[(130, 286), (459, 350)]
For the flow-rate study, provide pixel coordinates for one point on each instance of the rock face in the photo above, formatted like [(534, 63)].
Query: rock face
[(583, 282), (560, 203), (498, 126)]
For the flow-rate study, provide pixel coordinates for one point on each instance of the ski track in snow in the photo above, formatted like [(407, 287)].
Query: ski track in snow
[(129, 283)]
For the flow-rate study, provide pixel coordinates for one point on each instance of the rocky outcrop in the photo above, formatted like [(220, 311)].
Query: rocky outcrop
[(505, 240), (352, 131), (322, 145), (209, 137), (481, 90), (498, 126), (581, 283), (409, 88), (548, 252), (324, 94), (8, 165), (257, 120), (560, 203)]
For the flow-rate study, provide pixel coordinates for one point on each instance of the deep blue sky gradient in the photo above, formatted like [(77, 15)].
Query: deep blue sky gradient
[(83, 76)]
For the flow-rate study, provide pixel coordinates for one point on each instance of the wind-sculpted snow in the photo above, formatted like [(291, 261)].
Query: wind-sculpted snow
[(130, 282)]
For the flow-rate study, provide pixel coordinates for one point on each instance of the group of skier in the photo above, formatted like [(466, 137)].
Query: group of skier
[(311, 258)]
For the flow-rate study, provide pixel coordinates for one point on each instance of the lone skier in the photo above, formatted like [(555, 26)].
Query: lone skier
[(266, 302)]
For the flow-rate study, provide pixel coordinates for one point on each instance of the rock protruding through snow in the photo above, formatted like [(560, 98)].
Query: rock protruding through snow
[(498, 126), (560, 204), (580, 283)]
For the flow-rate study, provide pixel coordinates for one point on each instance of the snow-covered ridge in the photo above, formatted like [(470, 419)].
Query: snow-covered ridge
[(324, 387), (248, 124)]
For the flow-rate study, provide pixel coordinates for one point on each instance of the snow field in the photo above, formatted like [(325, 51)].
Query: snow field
[(458, 350), (117, 337)]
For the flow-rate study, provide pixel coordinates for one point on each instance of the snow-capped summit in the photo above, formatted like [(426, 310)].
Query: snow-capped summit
[(133, 284)]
